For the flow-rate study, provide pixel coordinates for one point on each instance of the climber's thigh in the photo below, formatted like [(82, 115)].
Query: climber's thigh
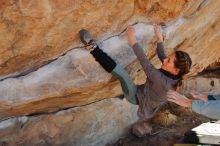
[(127, 84)]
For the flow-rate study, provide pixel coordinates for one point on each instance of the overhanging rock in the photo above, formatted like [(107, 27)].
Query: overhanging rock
[(72, 80)]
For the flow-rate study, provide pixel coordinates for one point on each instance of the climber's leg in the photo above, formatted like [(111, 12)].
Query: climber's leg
[(128, 86)]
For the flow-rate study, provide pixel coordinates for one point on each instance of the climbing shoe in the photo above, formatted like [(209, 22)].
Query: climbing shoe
[(85, 37)]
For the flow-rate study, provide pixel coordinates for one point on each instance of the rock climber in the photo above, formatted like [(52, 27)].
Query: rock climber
[(151, 95)]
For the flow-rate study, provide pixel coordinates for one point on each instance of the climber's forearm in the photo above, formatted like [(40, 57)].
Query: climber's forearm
[(160, 47), (158, 33)]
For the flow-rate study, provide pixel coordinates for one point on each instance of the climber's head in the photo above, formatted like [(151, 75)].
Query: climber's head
[(178, 63)]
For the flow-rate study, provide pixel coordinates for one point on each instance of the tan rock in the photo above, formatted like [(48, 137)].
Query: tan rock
[(96, 124), (34, 33), (201, 84)]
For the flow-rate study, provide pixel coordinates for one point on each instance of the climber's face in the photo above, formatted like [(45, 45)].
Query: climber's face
[(169, 64)]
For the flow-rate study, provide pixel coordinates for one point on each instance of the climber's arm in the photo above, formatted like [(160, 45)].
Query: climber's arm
[(152, 73), (160, 47)]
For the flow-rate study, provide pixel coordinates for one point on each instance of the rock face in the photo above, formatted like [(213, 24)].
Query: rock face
[(43, 67), (66, 82), (92, 125), (201, 84), (35, 32), (70, 80), (97, 124)]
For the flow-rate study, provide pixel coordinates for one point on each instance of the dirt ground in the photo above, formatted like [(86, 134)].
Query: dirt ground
[(166, 135)]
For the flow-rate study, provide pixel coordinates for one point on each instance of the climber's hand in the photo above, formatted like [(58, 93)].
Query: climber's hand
[(179, 99), (131, 35), (158, 33), (90, 47)]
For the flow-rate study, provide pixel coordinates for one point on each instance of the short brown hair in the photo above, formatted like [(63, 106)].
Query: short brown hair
[(183, 62)]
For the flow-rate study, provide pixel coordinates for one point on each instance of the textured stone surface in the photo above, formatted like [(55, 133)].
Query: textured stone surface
[(91, 125), (69, 81), (201, 84), (34, 32), (96, 124), (39, 72), (72, 78)]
